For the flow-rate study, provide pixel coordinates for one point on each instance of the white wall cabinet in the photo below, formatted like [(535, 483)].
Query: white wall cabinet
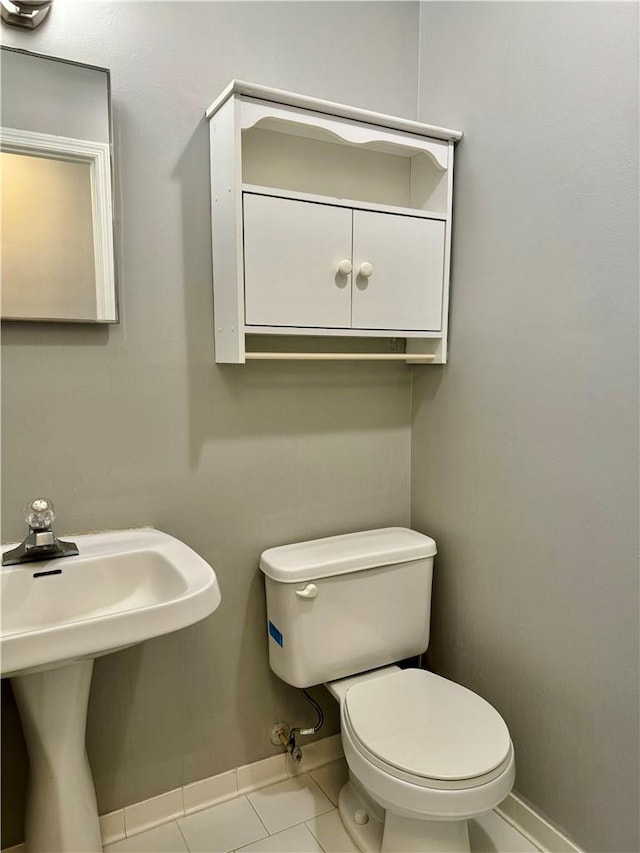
[(403, 257), (328, 221), (314, 265), (292, 256)]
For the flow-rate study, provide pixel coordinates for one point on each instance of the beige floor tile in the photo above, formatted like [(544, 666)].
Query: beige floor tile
[(287, 803), (297, 839), (222, 828), (331, 778), (331, 834), (160, 839)]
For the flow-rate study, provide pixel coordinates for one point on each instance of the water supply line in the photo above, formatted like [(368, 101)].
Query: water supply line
[(288, 737)]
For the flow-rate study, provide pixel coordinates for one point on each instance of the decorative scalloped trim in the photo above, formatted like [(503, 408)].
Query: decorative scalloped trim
[(351, 136)]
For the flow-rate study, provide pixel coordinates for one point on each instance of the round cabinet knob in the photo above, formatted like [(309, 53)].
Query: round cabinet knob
[(345, 267), (365, 269)]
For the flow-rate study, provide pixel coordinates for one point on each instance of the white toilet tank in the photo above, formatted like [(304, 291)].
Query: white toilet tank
[(347, 604)]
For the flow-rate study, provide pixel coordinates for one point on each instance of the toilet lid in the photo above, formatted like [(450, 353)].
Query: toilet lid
[(427, 726)]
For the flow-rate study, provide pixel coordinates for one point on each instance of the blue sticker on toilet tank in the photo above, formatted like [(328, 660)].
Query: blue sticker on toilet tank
[(277, 636)]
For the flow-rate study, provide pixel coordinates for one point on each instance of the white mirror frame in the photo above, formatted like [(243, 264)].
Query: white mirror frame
[(98, 156)]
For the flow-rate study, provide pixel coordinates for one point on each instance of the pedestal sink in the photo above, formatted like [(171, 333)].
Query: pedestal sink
[(123, 587)]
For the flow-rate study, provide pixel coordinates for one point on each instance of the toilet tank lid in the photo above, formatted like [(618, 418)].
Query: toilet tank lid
[(350, 552)]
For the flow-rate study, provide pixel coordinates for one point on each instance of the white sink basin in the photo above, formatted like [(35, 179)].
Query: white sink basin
[(123, 587)]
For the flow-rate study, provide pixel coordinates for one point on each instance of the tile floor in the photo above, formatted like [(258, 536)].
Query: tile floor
[(298, 815)]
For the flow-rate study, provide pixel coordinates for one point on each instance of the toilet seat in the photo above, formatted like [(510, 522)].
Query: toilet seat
[(416, 794), (426, 730)]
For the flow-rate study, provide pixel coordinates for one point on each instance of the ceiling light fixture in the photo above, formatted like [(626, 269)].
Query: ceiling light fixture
[(28, 14)]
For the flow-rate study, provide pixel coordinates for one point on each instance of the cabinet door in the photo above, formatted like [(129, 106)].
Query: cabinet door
[(292, 253), (405, 255)]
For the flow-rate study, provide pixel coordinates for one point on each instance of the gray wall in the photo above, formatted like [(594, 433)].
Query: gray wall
[(135, 424), (525, 445)]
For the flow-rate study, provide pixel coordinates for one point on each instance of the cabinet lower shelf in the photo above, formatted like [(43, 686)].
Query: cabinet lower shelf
[(279, 343), (316, 331), (408, 357)]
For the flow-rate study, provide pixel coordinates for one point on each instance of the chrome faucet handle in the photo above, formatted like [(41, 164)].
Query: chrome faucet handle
[(41, 543), (40, 514)]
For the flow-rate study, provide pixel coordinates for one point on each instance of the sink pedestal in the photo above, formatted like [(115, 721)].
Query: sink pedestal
[(62, 814)]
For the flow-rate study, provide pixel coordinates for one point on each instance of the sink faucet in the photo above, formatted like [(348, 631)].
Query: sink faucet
[(41, 543)]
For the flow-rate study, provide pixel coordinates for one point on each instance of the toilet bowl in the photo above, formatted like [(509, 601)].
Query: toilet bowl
[(424, 754)]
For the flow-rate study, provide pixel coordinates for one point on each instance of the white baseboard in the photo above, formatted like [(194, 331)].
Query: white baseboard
[(523, 817), (138, 817), (196, 796)]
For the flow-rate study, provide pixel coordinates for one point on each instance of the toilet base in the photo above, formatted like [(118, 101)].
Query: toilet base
[(385, 832), (353, 800), (407, 835)]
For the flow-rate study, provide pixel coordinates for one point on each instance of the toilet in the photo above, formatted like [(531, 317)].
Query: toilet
[(424, 754)]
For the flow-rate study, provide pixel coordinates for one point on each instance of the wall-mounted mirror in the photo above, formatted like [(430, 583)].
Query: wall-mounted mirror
[(57, 259)]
